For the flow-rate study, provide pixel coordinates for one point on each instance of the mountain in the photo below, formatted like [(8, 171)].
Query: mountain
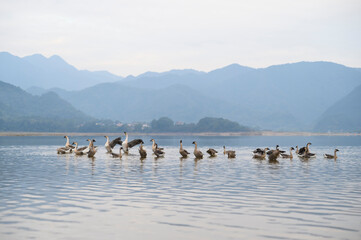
[(294, 90), (343, 116), (39, 71), (124, 103), (20, 110)]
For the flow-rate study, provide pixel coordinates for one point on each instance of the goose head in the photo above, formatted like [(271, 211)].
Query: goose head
[(194, 142), (180, 141), (277, 146), (292, 148), (336, 150), (93, 140), (266, 149)]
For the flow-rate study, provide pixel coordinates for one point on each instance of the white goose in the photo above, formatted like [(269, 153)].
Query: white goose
[(126, 145)]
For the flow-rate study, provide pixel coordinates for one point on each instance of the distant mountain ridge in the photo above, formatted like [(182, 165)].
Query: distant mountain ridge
[(343, 116), (39, 71), (289, 97)]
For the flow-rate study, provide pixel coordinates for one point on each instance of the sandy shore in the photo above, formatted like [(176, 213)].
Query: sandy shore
[(258, 133)]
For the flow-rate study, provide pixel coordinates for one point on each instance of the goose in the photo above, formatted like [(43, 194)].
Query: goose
[(142, 152), (284, 155), (304, 152), (196, 152), (277, 149), (92, 149), (158, 151), (259, 153), (182, 151), (274, 155), (230, 153), (67, 144), (155, 146), (68, 148), (63, 150), (110, 145), (116, 155), (126, 145), (79, 151), (331, 156), (212, 152)]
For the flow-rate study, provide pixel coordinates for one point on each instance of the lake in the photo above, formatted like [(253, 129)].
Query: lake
[(49, 196)]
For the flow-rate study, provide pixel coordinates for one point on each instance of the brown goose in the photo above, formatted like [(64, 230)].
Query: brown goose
[(116, 155), (331, 156), (284, 155), (142, 151), (92, 149), (198, 154), (274, 155), (79, 151), (212, 152), (182, 151), (304, 152), (230, 153), (259, 153), (277, 149), (158, 151)]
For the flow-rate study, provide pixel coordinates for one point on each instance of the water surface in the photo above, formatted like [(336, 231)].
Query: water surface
[(49, 196)]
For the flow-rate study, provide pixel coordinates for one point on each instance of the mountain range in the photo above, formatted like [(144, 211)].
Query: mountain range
[(41, 72), (292, 97)]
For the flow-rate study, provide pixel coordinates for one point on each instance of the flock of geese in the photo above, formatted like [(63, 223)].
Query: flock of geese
[(125, 145)]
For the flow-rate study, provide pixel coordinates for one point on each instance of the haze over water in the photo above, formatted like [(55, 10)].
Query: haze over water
[(49, 196)]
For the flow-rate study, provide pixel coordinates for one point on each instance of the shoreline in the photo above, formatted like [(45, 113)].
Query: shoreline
[(211, 134)]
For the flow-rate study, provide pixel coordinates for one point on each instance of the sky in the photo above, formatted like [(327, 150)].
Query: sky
[(134, 36)]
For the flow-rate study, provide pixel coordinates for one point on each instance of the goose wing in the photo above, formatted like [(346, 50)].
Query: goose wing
[(82, 148), (134, 142), (302, 150), (259, 151), (115, 142), (211, 151)]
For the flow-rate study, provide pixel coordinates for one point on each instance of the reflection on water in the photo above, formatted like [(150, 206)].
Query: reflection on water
[(49, 196)]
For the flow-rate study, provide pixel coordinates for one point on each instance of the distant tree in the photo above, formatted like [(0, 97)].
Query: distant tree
[(163, 124)]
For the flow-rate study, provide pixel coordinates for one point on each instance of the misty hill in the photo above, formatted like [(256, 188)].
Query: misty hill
[(39, 71), (21, 111), (344, 115), (295, 90), (124, 103)]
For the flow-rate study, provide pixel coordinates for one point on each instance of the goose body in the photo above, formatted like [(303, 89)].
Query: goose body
[(259, 153), (126, 144), (197, 153), (109, 145), (92, 149), (230, 153), (334, 156), (284, 155), (116, 155), (304, 152), (182, 151), (274, 155), (275, 150), (212, 152), (158, 151), (142, 151), (67, 144), (79, 151)]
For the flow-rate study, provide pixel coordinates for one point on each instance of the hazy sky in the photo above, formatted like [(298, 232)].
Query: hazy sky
[(131, 37)]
